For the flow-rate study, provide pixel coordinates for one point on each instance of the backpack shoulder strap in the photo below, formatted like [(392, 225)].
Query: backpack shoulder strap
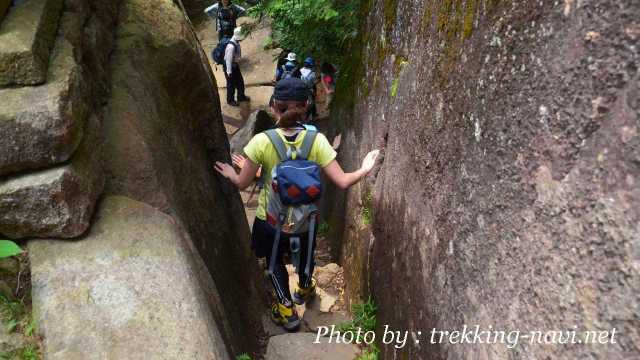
[(277, 142), (307, 143)]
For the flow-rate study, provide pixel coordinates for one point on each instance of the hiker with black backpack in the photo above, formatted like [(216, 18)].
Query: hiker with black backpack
[(292, 159), (226, 15), (228, 53)]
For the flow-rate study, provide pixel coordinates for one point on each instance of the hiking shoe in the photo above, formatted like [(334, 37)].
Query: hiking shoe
[(302, 295), (233, 103), (285, 316)]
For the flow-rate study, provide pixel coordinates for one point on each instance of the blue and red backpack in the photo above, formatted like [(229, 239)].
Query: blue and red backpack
[(295, 189)]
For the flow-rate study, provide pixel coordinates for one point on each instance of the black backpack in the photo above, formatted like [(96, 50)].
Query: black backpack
[(218, 52)]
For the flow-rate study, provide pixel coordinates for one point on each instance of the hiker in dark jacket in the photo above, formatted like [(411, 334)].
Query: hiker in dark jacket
[(225, 14)]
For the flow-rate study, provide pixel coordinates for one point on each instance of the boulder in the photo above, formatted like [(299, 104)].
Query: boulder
[(42, 125), (135, 291), (259, 121), (302, 346), (56, 202), (27, 33), (314, 318), (163, 133)]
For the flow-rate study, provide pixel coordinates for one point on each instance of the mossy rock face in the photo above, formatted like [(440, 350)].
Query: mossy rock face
[(496, 148)]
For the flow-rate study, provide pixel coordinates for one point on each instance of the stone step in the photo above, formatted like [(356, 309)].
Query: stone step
[(42, 125), (302, 346), (27, 35), (57, 202), (128, 290)]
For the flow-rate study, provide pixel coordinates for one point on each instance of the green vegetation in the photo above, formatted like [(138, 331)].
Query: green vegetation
[(364, 318), (16, 318), (15, 315), (320, 28), (244, 356), (9, 248), (323, 228), (367, 214), (28, 352), (370, 353)]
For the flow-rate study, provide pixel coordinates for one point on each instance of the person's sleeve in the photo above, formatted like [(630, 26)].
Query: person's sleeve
[(240, 10), (228, 57), (255, 148), (323, 151), (211, 11)]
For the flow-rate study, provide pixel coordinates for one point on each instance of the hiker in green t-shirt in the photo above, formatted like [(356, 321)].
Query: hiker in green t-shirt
[(289, 107)]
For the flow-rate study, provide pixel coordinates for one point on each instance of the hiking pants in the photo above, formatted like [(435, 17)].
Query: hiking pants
[(235, 81), (262, 238)]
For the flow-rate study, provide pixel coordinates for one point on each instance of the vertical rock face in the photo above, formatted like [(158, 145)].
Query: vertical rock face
[(163, 131), (508, 194)]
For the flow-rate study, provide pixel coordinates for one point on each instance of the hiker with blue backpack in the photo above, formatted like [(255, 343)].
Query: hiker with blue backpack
[(289, 69), (226, 15), (228, 53), (292, 159), (308, 75)]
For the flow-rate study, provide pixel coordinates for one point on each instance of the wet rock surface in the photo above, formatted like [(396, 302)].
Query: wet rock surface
[(507, 195)]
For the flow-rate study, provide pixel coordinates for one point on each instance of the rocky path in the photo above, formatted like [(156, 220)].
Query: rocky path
[(327, 308)]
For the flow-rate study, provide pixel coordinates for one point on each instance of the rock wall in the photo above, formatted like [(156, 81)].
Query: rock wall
[(508, 193), (50, 168), (120, 93), (164, 131)]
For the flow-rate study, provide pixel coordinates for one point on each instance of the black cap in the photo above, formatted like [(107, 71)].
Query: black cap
[(291, 89)]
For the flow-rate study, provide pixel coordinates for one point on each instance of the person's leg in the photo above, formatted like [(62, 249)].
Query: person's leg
[(230, 85), (306, 286), (262, 238), (240, 86)]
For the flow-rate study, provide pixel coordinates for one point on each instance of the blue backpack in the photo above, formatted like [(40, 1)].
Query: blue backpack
[(218, 52), (295, 189)]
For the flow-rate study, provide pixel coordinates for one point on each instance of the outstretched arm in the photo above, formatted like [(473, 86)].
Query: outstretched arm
[(345, 180), (242, 180)]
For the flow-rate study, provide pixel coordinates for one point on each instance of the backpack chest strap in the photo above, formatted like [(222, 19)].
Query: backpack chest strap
[(281, 147)]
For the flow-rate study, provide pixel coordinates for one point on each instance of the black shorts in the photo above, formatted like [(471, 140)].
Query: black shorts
[(263, 235)]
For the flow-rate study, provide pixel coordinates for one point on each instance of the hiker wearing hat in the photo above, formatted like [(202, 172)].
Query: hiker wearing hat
[(289, 69), (226, 15), (292, 159), (308, 75), (231, 67)]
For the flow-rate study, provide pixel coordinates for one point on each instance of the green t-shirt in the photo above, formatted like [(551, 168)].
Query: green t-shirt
[(261, 151)]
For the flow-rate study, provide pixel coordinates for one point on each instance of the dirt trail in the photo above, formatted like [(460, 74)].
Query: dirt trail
[(258, 67)]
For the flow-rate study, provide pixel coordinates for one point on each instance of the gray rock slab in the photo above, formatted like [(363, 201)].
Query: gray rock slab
[(257, 122), (42, 125), (301, 346), (27, 35), (128, 290), (56, 202)]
